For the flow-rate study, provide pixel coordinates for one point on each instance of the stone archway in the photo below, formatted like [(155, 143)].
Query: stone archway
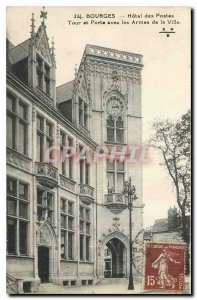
[(46, 238), (119, 236)]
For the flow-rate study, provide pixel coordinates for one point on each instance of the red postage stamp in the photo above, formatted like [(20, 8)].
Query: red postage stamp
[(164, 266)]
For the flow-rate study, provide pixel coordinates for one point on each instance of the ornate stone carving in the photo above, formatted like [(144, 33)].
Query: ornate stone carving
[(43, 238), (18, 159), (136, 76), (86, 190), (86, 193), (113, 54), (102, 69), (46, 174), (116, 225), (43, 49), (116, 203), (115, 107), (67, 183), (115, 76)]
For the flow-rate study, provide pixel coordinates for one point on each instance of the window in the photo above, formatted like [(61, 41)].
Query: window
[(115, 130), (45, 205), (84, 169), (17, 124), (115, 176), (43, 75), (66, 162), (70, 160), (85, 232), (44, 139), (83, 113), (67, 229), (17, 216), (62, 145)]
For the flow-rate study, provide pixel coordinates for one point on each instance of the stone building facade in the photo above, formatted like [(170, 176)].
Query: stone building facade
[(62, 214), (167, 229)]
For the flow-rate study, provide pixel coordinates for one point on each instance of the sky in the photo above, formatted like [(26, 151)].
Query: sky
[(165, 76)]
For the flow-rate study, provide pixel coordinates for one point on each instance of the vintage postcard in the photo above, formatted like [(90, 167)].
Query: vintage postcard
[(98, 150)]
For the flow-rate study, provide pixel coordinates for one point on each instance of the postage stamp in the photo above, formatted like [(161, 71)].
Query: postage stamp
[(164, 266)]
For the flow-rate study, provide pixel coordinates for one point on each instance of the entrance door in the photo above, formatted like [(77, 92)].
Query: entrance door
[(115, 258), (43, 263)]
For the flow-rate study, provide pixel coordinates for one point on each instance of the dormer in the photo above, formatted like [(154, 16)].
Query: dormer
[(73, 101), (33, 62), (41, 61)]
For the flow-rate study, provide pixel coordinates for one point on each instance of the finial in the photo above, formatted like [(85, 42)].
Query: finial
[(52, 46), (43, 15), (75, 71), (32, 24)]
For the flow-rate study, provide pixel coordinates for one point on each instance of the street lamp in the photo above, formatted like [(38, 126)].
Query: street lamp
[(129, 190)]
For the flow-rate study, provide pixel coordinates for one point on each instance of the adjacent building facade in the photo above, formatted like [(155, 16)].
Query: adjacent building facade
[(166, 230), (64, 211)]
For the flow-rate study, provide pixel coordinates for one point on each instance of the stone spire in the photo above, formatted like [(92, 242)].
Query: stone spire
[(32, 25)]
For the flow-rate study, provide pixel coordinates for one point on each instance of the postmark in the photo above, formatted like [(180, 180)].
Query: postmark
[(164, 266), (138, 252)]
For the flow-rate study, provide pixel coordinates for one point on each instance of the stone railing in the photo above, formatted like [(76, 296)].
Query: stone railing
[(67, 183), (115, 198), (113, 54), (13, 285), (86, 190), (86, 193), (116, 202), (19, 160), (47, 174)]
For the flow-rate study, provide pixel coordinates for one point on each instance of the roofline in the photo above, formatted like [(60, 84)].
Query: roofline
[(18, 44), (64, 83)]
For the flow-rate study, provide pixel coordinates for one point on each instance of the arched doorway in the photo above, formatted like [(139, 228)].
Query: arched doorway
[(114, 256), (115, 259), (47, 254)]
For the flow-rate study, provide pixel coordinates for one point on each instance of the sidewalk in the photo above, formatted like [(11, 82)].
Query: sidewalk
[(121, 288)]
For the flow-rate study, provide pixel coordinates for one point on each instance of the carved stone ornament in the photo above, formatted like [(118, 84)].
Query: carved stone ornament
[(113, 54), (18, 159), (43, 48), (43, 237), (67, 183), (115, 107)]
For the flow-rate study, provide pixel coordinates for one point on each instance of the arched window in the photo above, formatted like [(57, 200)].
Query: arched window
[(115, 120)]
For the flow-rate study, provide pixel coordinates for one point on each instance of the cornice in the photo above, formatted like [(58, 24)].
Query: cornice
[(112, 54)]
